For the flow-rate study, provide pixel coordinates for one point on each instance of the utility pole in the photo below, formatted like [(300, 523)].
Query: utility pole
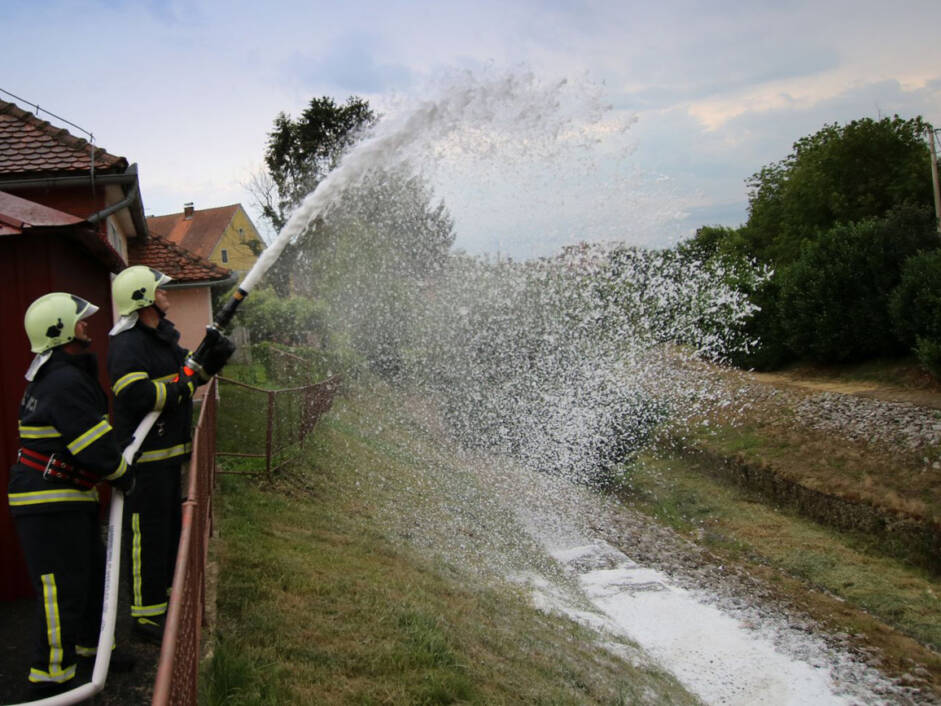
[(934, 177)]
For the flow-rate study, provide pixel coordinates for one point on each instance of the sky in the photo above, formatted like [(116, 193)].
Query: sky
[(676, 103)]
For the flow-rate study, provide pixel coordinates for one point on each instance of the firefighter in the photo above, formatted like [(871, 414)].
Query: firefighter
[(67, 446), (148, 372)]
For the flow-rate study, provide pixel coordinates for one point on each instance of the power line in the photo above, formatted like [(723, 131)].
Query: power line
[(91, 137)]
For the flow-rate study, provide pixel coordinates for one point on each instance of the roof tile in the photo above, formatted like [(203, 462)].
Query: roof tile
[(179, 263), (199, 234), (29, 145)]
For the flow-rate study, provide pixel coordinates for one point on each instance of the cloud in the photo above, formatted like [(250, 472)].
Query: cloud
[(703, 72), (351, 63), (720, 89)]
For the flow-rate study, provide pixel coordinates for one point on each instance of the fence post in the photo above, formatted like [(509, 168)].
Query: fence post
[(302, 416), (269, 435)]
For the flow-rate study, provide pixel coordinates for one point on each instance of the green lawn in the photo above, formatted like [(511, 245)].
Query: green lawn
[(320, 600)]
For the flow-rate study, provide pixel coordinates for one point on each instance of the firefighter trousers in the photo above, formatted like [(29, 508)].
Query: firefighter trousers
[(65, 556), (152, 519)]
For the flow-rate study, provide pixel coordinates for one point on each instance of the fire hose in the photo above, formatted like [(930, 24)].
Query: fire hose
[(109, 608)]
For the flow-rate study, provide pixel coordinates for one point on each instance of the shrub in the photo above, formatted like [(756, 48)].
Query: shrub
[(289, 320), (928, 351), (771, 351), (915, 308), (834, 299)]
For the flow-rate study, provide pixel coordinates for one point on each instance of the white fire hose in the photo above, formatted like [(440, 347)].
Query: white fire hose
[(109, 608)]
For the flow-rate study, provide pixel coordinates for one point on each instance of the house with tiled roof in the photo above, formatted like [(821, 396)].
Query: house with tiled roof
[(68, 210), (189, 293), (71, 217), (224, 235), (48, 165)]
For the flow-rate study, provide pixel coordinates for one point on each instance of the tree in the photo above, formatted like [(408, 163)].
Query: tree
[(367, 254), (841, 174), (708, 242), (302, 152), (834, 301)]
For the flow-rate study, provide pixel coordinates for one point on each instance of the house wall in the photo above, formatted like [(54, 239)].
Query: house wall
[(77, 200), (30, 266), (191, 312), (240, 255), (83, 201)]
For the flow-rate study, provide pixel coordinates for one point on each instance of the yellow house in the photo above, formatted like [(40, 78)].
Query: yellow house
[(224, 235)]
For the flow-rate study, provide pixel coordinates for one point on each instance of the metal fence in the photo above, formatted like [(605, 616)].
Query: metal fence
[(178, 669), (291, 416), (278, 435)]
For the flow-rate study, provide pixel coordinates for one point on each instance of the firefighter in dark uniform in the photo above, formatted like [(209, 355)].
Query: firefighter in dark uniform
[(148, 372), (67, 446)]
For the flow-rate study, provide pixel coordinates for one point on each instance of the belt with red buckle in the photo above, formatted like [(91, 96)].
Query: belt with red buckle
[(56, 468)]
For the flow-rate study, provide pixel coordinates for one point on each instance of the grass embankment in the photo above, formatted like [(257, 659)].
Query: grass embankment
[(888, 476), (882, 593), (319, 602)]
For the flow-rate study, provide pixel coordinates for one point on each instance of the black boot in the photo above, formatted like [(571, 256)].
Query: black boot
[(121, 661), (45, 689), (148, 630)]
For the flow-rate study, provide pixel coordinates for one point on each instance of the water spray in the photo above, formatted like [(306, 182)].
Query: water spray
[(509, 116)]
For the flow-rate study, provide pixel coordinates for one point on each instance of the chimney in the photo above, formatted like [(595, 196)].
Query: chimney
[(188, 211)]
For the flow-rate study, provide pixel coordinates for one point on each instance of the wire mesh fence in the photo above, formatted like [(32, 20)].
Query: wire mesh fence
[(277, 435)]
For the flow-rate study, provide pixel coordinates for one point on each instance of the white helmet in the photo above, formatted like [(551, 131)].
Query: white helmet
[(50, 320), (134, 288)]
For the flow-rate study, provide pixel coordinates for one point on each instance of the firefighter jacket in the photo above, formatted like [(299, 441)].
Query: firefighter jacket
[(144, 364), (66, 441)]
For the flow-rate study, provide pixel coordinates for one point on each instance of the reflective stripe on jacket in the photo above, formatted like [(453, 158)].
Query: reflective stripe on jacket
[(144, 366), (64, 412)]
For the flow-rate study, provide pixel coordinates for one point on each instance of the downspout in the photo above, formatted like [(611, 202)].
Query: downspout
[(227, 282), (123, 203)]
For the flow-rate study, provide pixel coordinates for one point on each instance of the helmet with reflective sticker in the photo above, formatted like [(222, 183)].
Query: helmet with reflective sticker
[(135, 288), (50, 320)]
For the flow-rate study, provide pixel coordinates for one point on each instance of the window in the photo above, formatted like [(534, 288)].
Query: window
[(225, 255)]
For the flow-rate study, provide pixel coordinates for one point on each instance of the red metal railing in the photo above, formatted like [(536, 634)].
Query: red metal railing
[(178, 670)]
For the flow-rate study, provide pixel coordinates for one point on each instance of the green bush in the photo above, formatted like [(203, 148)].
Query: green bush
[(915, 308), (928, 352), (772, 351), (834, 300), (289, 320)]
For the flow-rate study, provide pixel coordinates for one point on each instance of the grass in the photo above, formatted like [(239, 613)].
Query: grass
[(321, 599), (328, 592), (835, 575), (904, 372)]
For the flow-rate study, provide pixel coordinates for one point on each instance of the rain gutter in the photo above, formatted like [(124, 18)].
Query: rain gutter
[(231, 279), (127, 178)]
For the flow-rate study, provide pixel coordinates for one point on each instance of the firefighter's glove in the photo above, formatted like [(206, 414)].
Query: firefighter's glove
[(126, 482), (217, 356)]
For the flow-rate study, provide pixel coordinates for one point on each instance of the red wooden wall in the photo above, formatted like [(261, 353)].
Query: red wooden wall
[(30, 266)]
